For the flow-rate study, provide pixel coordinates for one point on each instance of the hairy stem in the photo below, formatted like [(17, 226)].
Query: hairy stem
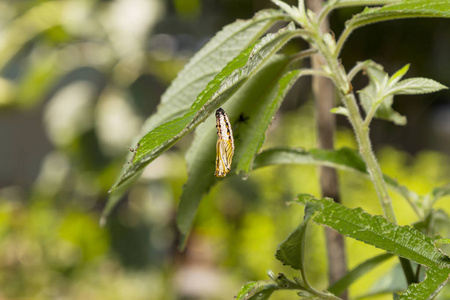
[(362, 132), (365, 148)]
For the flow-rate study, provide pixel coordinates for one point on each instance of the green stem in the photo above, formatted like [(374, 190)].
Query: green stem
[(355, 70), (365, 148), (362, 136), (303, 54), (342, 38)]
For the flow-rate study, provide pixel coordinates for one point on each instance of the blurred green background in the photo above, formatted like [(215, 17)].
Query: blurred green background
[(79, 77)]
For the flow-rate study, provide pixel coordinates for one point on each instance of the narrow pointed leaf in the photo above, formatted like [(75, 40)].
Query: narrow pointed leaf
[(390, 282), (340, 111), (347, 3), (342, 284), (435, 280), (403, 241), (415, 86), (206, 63), (257, 118), (217, 92), (398, 75), (343, 159), (401, 10)]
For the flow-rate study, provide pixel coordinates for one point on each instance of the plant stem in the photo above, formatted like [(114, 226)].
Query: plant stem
[(362, 136), (365, 149), (361, 132)]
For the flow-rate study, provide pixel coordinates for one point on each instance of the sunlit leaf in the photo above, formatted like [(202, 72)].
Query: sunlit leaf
[(257, 290), (401, 10), (403, 241), (206, 63), (218, 91), (398, 75), (257, 118), (415, 86), (246, 110), (262, 290), (340, 111), (343, 159), (435, 280)]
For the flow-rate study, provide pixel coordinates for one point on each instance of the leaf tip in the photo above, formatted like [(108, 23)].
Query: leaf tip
[(102, 221)]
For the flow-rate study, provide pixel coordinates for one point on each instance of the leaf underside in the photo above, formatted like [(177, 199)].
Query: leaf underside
[(217, 92), (402, 10), (246, 110)]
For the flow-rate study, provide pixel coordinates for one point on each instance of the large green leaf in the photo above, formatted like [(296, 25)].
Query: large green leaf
[(344, 159), (403, 241), (430, 287), (401, 10), (244, 109), (206, 63), (217, 92)]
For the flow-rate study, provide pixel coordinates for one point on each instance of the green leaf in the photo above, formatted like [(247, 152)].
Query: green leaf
[(218, 91), (246, 110), (291, 251), (342, 284), (262, 290), (402, 10), (376, 96), (435, 280), (340, 111), (206, 63), (345, 3), (403, 241), (398, 75), (392, 281), (343, 159), (415, 86), (259, 115), (257, 290)]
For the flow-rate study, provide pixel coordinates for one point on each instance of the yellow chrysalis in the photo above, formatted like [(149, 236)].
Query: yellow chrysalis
[(225, 144)]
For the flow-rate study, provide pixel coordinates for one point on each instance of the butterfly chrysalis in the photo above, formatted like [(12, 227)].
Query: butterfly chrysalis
[(225, 144)]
